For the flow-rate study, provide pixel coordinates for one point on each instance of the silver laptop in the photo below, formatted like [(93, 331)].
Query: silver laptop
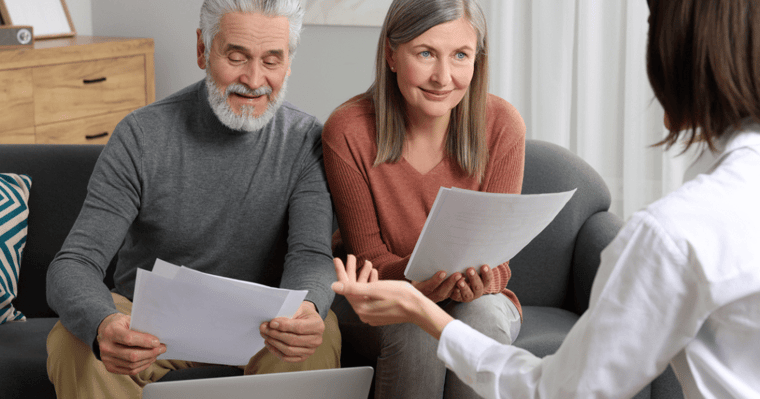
[(343, 383)]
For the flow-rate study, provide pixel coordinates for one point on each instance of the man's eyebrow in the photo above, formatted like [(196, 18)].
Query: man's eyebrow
[(277, 53), (236, 47), (244, 50)]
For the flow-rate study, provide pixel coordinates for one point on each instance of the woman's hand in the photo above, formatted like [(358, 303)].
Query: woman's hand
[(438, 287), (472, 286), (386, 302), (347, 273), (379, 303)]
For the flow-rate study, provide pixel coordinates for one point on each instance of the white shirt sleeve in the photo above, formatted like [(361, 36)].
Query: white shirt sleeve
[(480, 361), (646, 304)]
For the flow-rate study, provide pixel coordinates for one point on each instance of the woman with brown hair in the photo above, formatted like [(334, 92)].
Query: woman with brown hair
[(680, 284), (427, 122)]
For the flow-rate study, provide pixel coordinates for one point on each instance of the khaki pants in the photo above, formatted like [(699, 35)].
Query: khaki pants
[(76, 373)]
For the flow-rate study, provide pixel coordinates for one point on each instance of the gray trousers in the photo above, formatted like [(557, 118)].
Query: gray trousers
[(407, 363)]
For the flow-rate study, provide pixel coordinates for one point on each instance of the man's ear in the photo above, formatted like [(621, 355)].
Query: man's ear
[(201, 50)]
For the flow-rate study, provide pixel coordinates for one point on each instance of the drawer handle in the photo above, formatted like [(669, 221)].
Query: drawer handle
[(96, 136), (98, 80)]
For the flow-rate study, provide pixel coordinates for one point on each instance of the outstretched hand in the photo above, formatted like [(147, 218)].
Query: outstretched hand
[(388, 301)]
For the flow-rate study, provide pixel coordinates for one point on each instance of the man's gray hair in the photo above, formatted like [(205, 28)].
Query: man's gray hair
[(212, 12)]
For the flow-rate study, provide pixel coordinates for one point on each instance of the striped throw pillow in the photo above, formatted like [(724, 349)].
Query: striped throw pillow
[(14, 195)]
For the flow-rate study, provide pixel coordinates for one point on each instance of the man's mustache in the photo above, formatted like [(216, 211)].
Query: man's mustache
[(239, 88)]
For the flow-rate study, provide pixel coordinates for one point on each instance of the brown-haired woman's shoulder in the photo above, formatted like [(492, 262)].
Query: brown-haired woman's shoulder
[(504, 121), (351, 126), (356, 111), (357, 103), (358, 106)]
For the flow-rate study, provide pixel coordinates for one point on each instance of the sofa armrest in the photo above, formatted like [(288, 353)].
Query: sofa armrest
[(595, 234)]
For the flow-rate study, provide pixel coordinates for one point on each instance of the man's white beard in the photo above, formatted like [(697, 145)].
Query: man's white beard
[(246, 121)]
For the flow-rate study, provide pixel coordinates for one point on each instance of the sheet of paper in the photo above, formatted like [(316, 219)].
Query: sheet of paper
[(470, 228), (206, 318)]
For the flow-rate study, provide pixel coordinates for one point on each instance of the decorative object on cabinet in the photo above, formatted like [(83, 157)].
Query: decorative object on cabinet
[(50, 18), (73, 90), (16, 36)]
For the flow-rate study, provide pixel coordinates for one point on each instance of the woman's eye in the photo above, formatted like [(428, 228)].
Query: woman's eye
[(425, 54), (460, 55)]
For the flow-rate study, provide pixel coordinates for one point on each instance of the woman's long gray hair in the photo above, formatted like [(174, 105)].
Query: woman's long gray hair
[(466, 139)]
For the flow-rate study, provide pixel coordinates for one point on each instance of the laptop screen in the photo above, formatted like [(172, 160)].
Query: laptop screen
[(342, 383)]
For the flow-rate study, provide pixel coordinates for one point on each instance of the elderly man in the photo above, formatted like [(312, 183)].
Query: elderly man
[(222, 177)]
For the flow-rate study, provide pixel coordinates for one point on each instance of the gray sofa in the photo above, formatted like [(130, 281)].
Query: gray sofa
[(552, 276)]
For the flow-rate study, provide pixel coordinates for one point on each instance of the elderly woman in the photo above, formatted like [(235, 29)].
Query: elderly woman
[(426, 122), (680, 284)]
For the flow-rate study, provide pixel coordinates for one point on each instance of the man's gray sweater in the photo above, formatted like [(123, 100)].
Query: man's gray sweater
[(174, 183)]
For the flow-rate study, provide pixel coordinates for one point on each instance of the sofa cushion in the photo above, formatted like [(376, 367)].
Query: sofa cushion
[(542, 272), (14, 215), (60, 174), (23, 357), (543, 329)]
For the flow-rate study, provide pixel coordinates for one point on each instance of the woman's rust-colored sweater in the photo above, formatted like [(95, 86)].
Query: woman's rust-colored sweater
[(381, 209)]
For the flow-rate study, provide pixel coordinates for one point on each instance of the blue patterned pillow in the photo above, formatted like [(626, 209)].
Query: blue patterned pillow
[(14, 195)]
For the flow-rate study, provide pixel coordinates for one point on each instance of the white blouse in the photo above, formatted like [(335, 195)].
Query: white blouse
[(680, 284)]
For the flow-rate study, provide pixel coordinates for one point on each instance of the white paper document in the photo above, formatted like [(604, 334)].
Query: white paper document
[(468, 228), (206, 318)]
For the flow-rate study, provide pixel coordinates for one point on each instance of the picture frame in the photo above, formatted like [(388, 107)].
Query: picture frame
[(50, 18)]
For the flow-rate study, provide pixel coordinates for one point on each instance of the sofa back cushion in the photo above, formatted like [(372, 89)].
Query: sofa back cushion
[(541, 272), (60, 174)]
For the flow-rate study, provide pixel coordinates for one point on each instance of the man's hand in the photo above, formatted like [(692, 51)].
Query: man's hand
[(294, 340), (124, 351)]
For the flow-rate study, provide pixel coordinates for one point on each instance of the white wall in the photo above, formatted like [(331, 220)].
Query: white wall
[(171, 24), (81, 15), (332, 63)]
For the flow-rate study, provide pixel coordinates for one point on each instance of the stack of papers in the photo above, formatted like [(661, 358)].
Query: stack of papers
[(206, 318), (468, 228)]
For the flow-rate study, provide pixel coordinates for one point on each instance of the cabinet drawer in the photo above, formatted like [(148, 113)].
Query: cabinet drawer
[(18, 136), (92, 130), (16, 99), (82, 89)]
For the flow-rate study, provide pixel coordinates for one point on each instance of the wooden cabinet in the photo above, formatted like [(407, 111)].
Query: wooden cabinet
[(73, 90)]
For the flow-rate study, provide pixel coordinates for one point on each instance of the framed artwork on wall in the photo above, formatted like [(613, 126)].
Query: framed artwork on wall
[(345, 12), (50, 18)]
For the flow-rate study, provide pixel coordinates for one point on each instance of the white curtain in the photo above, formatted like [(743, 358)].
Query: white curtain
[(576, 71)]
